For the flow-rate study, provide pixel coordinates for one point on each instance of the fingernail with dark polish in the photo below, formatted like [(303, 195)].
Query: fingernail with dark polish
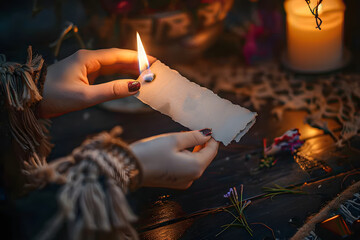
[(206, 131), (134, 86)]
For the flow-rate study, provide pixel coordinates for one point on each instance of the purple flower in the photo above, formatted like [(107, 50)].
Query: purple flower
[(229, 193)]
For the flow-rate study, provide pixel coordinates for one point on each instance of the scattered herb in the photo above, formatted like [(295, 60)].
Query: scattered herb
[(266, 161), (239, 205), (278, 190)]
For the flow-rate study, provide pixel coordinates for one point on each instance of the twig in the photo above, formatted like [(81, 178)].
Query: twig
[(348, 175), (272, 231), (228, 225), (305, 230), (218, 209), (71, 28)]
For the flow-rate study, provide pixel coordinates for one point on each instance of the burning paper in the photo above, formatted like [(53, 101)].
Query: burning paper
[(194, 106)]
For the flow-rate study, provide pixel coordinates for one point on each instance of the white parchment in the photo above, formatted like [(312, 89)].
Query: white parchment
[(193, 106)]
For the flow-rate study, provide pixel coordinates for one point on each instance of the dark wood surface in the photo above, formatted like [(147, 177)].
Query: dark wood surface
[(173, 214)]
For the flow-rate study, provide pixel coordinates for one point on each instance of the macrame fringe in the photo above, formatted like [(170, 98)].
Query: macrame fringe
[(96, 176), (19, 81), (93, 197), (351, 209), (19, 89), (43, 173)]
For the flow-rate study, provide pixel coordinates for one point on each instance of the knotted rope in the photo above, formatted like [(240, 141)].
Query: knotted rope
[(324, 213), (99, 174), (20, 91)]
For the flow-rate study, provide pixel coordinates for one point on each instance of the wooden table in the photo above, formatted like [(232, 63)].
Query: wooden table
[(173, 214)]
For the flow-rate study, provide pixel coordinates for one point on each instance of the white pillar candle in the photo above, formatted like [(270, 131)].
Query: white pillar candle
[(194, 106), (310, 49)]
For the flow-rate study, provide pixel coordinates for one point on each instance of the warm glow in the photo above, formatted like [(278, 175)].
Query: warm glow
[(142, 57), (304, 38), (320, 7)]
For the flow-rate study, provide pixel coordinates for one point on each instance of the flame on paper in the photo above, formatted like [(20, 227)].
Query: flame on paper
[(142, 57)]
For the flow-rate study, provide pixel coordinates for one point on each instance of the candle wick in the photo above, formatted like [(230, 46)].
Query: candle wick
[(315, 11)]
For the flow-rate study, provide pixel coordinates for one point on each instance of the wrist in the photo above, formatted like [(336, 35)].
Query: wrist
[(142, 178)]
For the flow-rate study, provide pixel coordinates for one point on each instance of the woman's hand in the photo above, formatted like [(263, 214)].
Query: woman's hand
[(167, 163), (68, 82)]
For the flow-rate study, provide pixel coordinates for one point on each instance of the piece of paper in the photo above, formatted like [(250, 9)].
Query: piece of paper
[(193, 106)]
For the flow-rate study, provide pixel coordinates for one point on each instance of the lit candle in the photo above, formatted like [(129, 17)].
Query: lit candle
[(308, 48), (191, 105)]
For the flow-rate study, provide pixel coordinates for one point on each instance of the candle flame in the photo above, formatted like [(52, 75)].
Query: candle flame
[(142, 57), (320, 8)]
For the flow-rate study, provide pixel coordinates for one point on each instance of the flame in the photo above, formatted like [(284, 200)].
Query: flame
[(142, 57), (320, 8)]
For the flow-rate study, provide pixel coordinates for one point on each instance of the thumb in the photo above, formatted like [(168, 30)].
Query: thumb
[(112, 90), (192, 138), (208, 153)]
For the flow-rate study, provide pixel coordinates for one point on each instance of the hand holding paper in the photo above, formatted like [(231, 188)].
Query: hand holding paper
[(194, 106)]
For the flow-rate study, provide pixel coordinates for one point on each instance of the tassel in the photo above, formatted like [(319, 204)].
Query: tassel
[(42, 173), (85, 204), (120, 213), (92, 200), (18, 89)]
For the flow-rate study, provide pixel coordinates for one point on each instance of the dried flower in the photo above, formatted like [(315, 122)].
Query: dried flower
[(239, 205), (228, 194)]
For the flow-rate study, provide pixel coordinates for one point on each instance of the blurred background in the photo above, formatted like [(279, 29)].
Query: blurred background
[(172, 30)]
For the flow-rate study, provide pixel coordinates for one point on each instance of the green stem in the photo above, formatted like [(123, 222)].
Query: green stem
[(225, 229)]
